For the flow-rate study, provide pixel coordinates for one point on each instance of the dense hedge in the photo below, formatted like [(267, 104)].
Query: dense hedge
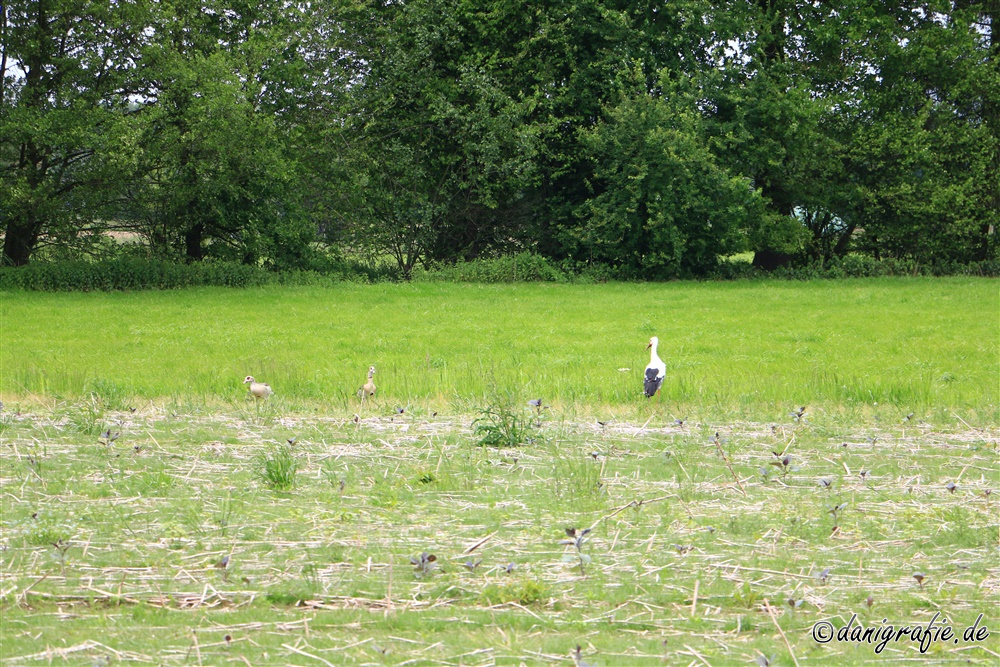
[(525, 267), (128, 273), (533, 268), (858, 266), (141, 274)]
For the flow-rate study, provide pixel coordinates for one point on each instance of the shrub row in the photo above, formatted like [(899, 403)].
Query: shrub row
[(128, 273), (534, 268), (524, 267), (858, 266)]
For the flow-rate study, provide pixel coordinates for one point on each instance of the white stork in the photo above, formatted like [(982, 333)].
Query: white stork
[(655, 371)]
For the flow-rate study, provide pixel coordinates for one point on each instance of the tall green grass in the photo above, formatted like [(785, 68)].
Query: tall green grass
[(754, 346)]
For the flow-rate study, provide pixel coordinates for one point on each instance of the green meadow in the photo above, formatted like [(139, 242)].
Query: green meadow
[(153, 514), (753, 347)]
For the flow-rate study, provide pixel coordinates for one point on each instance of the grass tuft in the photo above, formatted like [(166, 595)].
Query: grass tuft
[(276, 469)]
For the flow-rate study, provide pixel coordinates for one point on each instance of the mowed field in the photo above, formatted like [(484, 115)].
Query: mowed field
[(151, 514)]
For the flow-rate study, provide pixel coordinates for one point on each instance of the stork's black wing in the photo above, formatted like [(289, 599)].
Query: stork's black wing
[(652, 383)]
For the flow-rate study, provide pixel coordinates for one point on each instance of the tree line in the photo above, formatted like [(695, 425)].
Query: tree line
[(652, 138)]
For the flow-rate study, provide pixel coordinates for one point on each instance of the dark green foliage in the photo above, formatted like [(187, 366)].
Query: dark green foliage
[(126, 273), (614, 139), (859, 266), (662, 208), (66, 130), (434, 154), (524, 267)]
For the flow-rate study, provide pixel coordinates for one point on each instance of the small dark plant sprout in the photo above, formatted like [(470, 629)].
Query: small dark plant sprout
[(471, 564), (794, 604), (826, 483), (108, 436), (277, 469), (782, 461), (763, 660), (223, 565), (578, 658), (836, 510), (951, 486), (576, 538), (823, 576), (919, 576), (502, 426), (35, 464), (62, 546), (423, 564)]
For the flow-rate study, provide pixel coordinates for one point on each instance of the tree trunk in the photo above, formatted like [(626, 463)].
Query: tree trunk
[(3, 50), (19, 242), (843, 243), (192, 240), (991, 114)]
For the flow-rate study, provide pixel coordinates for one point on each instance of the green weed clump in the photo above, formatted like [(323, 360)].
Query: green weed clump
[(277, 469), (111, 394), (502, 425)]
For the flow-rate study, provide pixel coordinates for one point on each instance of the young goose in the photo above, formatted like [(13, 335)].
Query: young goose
[(258, 389), (369, 387)]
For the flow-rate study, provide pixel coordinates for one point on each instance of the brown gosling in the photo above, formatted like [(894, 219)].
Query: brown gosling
[(258, 389), (369, 387)]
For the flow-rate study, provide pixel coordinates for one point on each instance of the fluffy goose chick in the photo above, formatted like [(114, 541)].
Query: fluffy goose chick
[(258, 389), (369, 387)]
